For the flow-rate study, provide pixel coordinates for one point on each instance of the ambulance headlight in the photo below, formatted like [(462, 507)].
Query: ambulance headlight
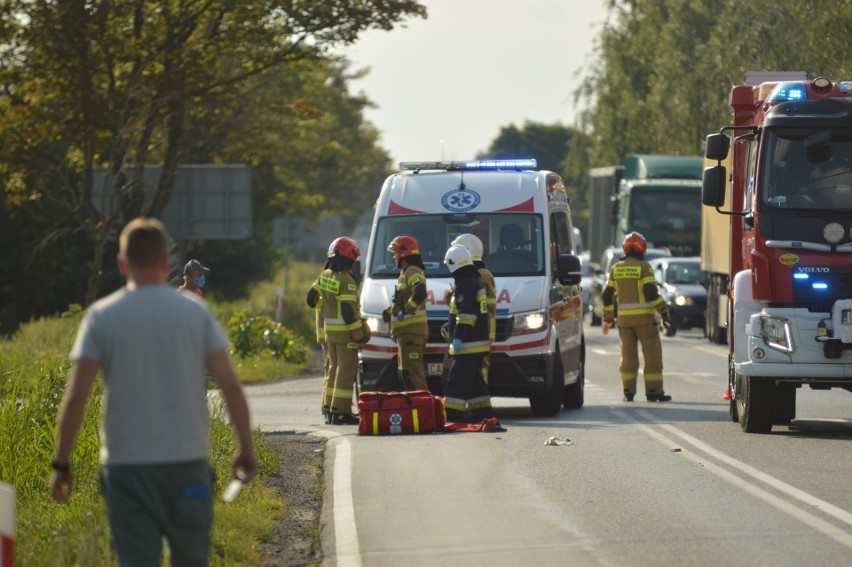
[(529, 322), (777, 334), (378, 328)]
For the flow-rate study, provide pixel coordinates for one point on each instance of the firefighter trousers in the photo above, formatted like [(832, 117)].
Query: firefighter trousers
[(410, 348), (466, 390), (342, 371), (327, 387), (648, 336)]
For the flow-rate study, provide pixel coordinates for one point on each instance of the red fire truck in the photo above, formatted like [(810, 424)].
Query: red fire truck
[(790, 239)]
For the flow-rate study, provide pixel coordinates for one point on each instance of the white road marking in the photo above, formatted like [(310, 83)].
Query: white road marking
[(838, 534), (347, 551), (714, 351)]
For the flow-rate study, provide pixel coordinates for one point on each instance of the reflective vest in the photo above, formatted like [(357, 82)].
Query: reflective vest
[(629, 278), (414, 320), (337, 289)]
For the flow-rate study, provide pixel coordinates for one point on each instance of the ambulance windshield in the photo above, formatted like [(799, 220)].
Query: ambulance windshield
[(806, 168), (512, 242)]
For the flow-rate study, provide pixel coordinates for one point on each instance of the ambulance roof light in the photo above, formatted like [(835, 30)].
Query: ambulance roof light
[(477, 165), (789, 90)]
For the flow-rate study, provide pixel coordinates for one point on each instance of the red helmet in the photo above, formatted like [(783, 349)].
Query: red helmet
[(403, 246), (634, 242), (344, 246)]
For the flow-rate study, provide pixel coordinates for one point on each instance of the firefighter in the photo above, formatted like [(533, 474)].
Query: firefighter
[(344, 327), (474, 246), (407, 313), (631, 280), (316, 297), (466, 387)]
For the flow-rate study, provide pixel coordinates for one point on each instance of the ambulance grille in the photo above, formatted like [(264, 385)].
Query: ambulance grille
[(504, 330)]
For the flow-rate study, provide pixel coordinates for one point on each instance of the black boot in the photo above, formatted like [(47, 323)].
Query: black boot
[(661, 397), (343, 419), (628, 397)]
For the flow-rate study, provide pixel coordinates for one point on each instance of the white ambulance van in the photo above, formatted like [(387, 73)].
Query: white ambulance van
[(523, 218)]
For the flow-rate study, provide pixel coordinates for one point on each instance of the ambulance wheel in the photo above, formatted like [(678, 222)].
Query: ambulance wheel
[(754, 407), (549, 403), (574, 393)]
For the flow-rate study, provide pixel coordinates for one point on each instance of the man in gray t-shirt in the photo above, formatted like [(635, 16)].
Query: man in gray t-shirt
[(155, 346)]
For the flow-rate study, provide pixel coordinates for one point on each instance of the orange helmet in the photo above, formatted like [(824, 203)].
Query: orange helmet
[(344, 246), (403, 246), (634, 242)]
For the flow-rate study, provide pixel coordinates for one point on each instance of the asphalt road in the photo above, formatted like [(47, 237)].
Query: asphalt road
[(640, 484)]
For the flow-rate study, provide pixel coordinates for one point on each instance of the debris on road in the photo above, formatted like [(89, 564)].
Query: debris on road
[(558, 441)]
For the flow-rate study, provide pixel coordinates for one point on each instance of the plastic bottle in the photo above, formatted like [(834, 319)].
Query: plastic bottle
[(605, 327)]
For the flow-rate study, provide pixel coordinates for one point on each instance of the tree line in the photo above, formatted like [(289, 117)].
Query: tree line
[(119, 84)]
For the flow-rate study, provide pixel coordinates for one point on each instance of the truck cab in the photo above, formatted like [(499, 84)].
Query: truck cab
[(790, 243), (523, 218)]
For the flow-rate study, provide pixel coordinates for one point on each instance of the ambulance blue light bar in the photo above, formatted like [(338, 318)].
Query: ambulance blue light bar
[(479, 165), (790, 90)]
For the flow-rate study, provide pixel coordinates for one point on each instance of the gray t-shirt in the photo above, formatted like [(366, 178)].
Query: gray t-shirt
[(152, 344)]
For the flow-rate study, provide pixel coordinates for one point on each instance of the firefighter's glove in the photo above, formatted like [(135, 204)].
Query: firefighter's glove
[(400, 314), (386, 315), (361, 336), (456, 346), (445, 331)]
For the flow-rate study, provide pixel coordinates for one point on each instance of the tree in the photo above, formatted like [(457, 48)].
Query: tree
[(114, 85), (547, 143)]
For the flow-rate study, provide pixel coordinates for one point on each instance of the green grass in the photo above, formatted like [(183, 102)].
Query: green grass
[(33, 372)]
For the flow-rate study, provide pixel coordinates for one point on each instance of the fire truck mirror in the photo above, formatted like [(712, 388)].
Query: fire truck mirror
[(716, 146), (713, 186)]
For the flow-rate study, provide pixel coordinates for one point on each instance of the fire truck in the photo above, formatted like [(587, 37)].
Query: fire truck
[(790, 239)]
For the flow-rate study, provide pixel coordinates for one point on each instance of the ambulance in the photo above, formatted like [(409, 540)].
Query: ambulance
[(523, 217)]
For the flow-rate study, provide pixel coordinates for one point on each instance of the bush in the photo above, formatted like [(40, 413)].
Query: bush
[(258, 335)]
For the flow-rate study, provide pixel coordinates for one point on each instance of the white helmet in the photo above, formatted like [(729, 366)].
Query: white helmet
[(473, 245), (457, 256)]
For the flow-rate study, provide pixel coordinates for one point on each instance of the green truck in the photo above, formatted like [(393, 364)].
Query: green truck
[(656, 195)]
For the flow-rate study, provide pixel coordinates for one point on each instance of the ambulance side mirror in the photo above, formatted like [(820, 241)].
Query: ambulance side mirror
[(568, 269)]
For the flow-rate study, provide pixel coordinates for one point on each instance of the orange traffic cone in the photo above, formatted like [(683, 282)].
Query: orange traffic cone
[(727, 395)]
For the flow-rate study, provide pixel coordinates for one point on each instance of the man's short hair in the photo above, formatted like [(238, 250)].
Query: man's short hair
[(143, 242)]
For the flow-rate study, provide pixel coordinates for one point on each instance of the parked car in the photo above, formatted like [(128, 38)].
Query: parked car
[(681, 283), (610, 256), (587, 278)]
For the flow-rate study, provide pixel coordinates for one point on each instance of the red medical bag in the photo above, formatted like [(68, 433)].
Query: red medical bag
[(396, 413)]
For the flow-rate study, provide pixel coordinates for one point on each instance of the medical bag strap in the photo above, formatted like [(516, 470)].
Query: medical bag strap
[(382, 395)]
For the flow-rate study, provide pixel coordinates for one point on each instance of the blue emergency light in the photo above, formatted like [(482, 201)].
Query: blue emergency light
[(800, 276), (790, 90), (478, 165), (820, 286)]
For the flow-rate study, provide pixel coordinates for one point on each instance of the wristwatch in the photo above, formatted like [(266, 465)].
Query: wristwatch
[(60, 467)]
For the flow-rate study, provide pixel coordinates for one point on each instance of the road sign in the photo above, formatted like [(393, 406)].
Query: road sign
[(208, 201)]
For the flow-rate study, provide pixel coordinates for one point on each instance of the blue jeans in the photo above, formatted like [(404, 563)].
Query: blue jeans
[(146, 503)]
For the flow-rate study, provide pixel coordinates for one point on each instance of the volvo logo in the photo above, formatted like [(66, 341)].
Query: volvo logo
[(460, 201), (813, 270)]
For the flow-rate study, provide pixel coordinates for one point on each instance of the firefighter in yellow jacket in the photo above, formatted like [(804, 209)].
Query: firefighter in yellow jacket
[(631, 280), (407, 314), (320, 328), (344, 327)]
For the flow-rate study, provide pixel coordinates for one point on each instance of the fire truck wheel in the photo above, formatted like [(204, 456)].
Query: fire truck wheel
[(755, 404)]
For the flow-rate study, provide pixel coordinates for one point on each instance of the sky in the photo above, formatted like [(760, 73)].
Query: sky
[(444, 86)]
